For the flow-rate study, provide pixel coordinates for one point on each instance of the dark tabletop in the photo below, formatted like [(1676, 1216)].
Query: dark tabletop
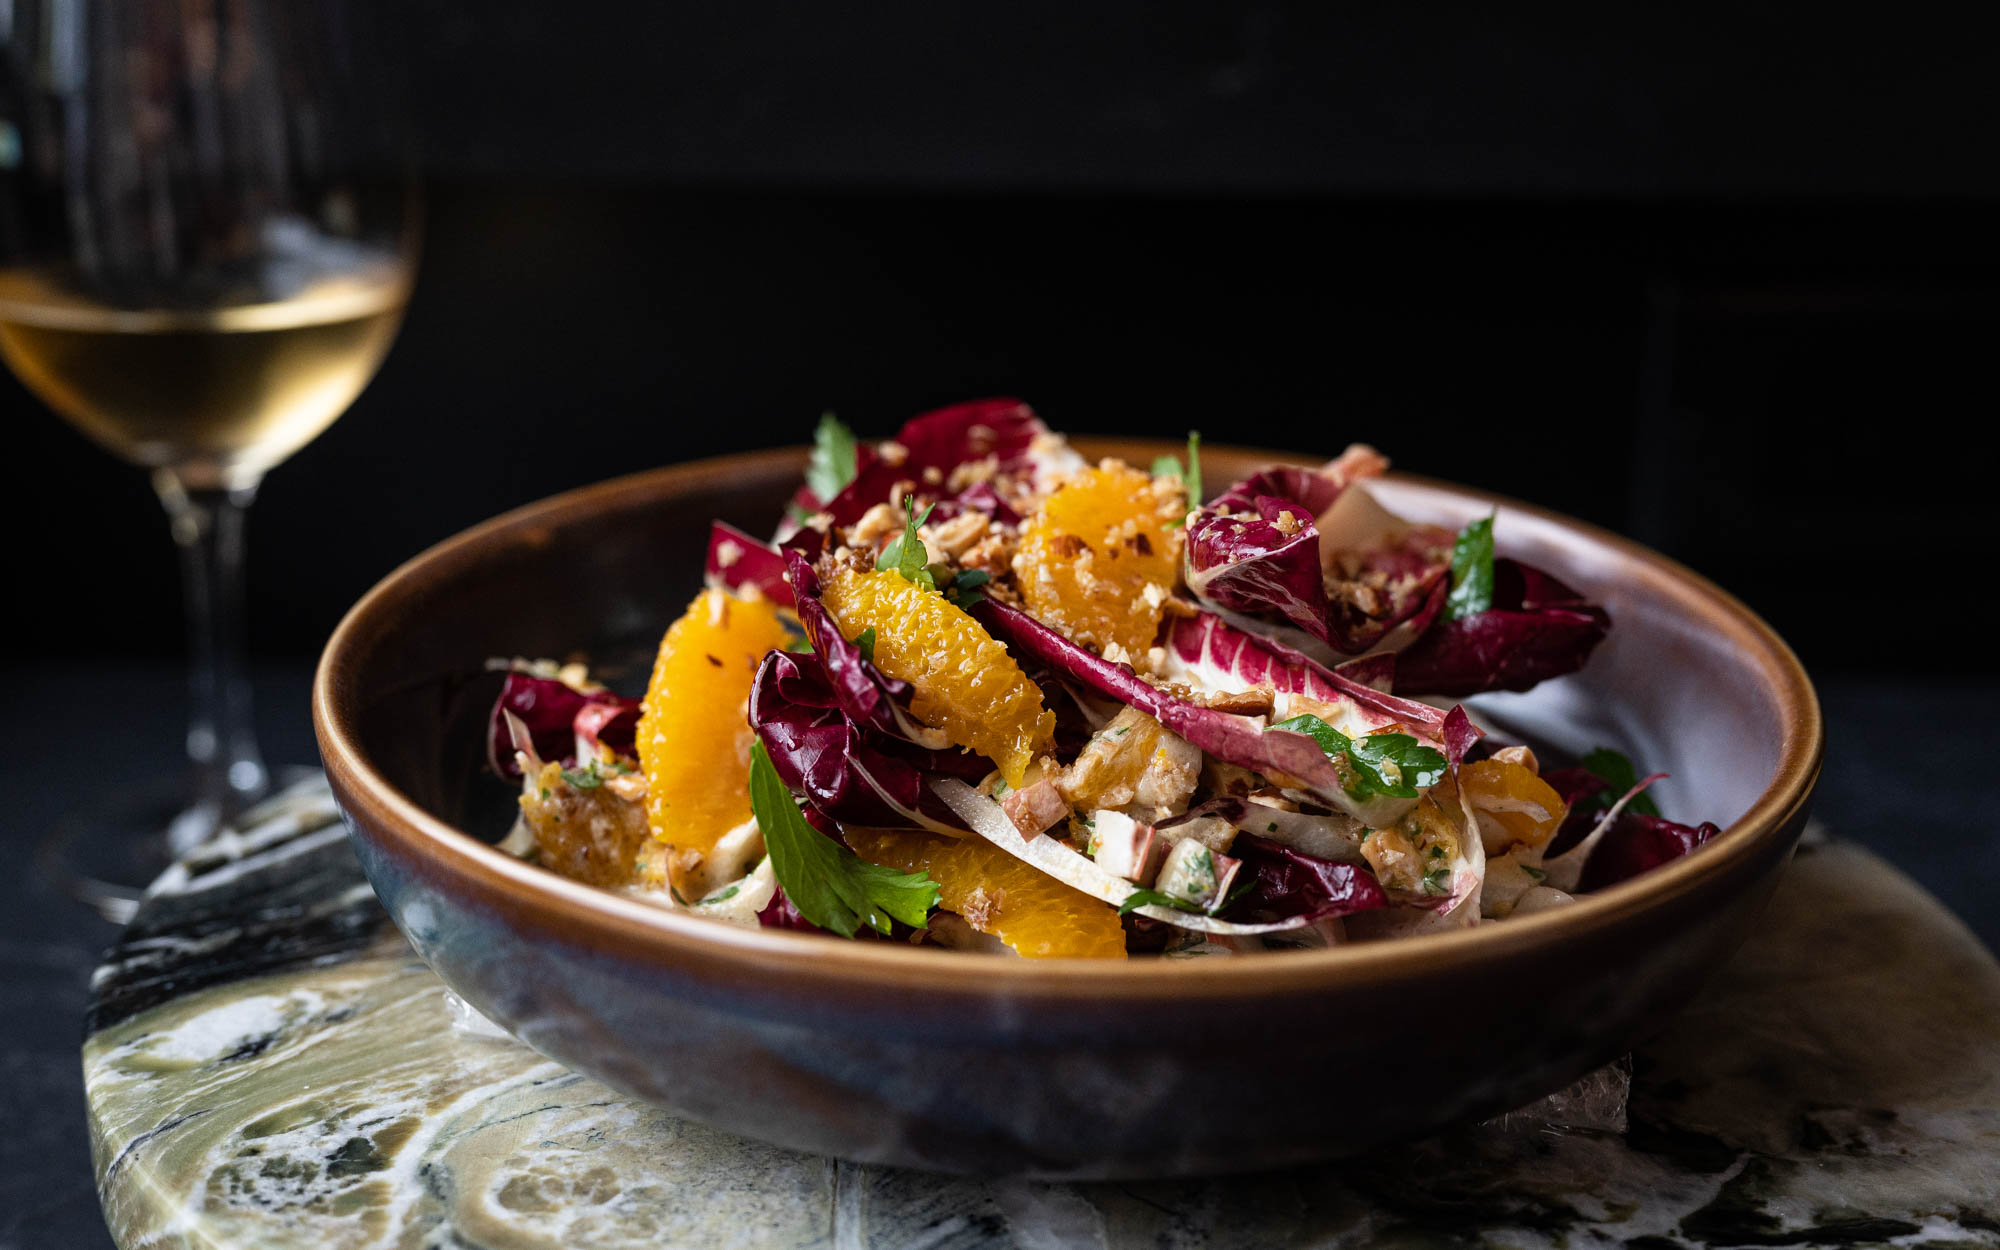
[(1901, 777)]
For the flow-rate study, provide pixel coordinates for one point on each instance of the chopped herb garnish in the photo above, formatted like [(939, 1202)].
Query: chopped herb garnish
[(1437, 852), (584, 778), (799, 645), (964, 588), (865, 640), (905, 553), (1536, 873), (1271, 828), (1391, 764), (833, 463), (723, 897), (1617, 772), (1170, 466), (1153, 898), (1471, 571), (1434, 881), (830, 885)]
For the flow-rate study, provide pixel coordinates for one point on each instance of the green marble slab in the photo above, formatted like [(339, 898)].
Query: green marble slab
[(268, 1065)]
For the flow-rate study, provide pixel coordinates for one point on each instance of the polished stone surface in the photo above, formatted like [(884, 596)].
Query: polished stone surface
[(269, 1066)]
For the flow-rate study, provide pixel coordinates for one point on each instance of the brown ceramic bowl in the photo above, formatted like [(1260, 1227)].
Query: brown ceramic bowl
[(899, 1055)]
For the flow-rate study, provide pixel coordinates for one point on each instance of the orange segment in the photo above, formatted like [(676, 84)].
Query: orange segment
[(965, 683), (1088, 555), (1030, 911), (693, 737), (1527, 807)]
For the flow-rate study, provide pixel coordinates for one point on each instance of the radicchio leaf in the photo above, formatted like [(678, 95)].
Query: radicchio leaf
[(1637, 842), (736, 560), (1297, 547), (1209, 653), (1233, 739), (838, 730), (978, 497), (1537, 628), (782, 913), (934, 444), (1286, 883), (556, 714), (854, 774), (1634, 843)]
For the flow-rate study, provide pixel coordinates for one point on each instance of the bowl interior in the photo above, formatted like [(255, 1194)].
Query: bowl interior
[(1687, 683)]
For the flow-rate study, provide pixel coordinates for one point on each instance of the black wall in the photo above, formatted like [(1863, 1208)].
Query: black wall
[(1732, 289)]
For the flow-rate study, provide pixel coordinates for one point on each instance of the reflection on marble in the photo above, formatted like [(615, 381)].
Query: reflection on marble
[(271, 1067)]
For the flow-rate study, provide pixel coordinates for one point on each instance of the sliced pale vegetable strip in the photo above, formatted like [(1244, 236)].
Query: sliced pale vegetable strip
[(1059, 860)]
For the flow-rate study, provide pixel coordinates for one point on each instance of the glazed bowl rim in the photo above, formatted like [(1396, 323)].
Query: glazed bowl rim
[(543, 905)]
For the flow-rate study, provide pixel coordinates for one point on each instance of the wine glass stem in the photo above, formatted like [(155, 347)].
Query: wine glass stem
[(228, 769)]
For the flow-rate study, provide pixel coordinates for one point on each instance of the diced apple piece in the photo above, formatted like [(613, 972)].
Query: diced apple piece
[(1125, 848)]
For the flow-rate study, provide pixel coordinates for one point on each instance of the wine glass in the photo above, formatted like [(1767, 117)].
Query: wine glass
[(207, 233)]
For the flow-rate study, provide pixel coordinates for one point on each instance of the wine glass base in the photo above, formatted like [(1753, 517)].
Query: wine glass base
[(107, 857)]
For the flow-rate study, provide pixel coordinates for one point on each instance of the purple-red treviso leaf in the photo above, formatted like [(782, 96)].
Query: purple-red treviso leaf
[(1284, 883), (736, 560), (932, 445), (1537, 628), (555, 714)]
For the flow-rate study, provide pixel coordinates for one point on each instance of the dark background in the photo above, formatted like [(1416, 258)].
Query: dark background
[(1730, 286), (1730, 289)]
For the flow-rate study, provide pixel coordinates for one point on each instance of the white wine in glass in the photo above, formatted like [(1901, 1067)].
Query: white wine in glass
[(219, 394), (207, 234)]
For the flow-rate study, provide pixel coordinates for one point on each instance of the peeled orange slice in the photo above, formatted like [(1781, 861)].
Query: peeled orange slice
[(1527, 807), (1030, 911), (965, 684), (693, 737), (1088, 555)]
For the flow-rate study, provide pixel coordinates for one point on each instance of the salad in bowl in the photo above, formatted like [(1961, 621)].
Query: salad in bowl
[(976, 692)]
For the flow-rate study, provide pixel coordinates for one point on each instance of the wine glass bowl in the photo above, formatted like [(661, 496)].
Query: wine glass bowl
[(207, 232)]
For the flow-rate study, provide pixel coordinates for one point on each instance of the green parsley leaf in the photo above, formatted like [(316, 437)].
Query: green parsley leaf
[(1167, 466), (1416, 767), (1471, 571), (1536, 873), (865, 640), (1153, 898), (964, 589), (834, 462), (584, 778), (1617, 772), (905, 553), (723, 897), (799, 645), (830, 885), (1434, 881)]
